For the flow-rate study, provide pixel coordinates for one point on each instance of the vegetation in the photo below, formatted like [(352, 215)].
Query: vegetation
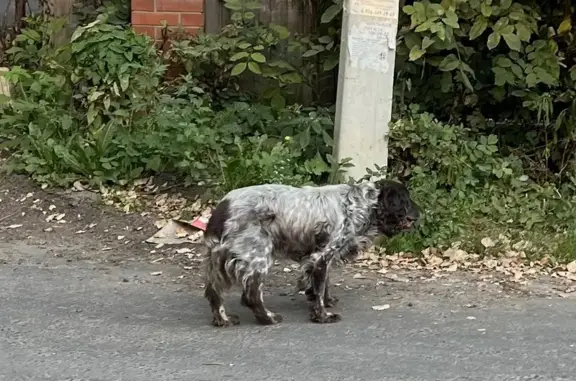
[(483, 131)]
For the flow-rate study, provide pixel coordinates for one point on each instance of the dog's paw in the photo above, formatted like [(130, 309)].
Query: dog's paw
[(331, 302), (325, 318), (231, 320), (269, 319)]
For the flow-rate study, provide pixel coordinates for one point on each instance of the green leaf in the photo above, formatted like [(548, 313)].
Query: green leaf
[(565, 26), (486, 10), (453, 22), (505, 4), (492, 139), (503, 61), (424, 26), (310, 53), (523, 32), (493, 40), (500, 24), (239, 68), (478, 27), (416, 53), (517, 70), (512, 41), (327, 139), (254, 67), (278, 102), (330, 13), (244, 45), (91, 114), (408, 9), (258, 57), (239, 56), (304, 138), (325, 39), (330, 63), (449, 63), (124, 82), (427, 42)]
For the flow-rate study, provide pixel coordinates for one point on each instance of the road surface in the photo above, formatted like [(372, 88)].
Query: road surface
[(72, 320)]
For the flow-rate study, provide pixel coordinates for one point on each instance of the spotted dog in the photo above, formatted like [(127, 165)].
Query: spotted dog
[(314, 226)]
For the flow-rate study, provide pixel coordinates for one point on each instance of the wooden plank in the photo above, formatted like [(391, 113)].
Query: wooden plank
[(215, 16)]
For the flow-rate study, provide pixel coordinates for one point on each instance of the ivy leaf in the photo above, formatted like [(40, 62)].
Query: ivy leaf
[(254, 67), (512, 41), (449, 63), (493, 40), (239, 68), (238, 56), (258, 57), (416, 53), (330, 13), (479, 27)]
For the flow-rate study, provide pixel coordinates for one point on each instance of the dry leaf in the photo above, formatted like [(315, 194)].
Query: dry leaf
[(15, 226), (381, 308), (156, 273), (453, 267), (571, 267), (488, 242)]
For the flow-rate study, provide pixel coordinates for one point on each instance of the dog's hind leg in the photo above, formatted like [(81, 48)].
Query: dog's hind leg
[(217, 280), (220, 317), (252, 274), (253, 299)]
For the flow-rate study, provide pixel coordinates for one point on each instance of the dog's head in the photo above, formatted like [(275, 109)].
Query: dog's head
[(395, 211)]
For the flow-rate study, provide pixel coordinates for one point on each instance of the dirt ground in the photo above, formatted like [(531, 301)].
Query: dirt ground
[(76, 225)]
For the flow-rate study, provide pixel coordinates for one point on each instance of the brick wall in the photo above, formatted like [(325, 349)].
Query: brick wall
[(147, 15)]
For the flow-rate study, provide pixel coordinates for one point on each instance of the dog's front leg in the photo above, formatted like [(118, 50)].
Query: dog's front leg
[(319, 280)]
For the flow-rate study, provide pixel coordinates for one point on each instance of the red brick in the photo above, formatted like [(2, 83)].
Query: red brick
[(144, 29), (155, 18), (192, 19), (180, 5), (142, 5)]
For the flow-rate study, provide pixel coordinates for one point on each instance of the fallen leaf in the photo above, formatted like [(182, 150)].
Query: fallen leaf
[(381, 308), (15, 226), (183, 250), (487, 242), (156, 273), (470, 318), (359, 276), (453, 267), (287, 270), (571, 267)]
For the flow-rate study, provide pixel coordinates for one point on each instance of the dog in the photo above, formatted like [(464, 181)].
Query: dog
[(314, 226)]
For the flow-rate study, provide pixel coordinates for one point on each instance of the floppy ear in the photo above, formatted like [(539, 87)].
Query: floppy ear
[(388, 191)]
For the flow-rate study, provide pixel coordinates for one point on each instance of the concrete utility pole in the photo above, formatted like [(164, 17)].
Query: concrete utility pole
[(365, 81)]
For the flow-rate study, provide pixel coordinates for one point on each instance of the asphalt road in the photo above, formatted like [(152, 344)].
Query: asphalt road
[(84, 321)]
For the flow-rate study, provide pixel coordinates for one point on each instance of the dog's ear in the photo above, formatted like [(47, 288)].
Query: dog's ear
[(390, 192)]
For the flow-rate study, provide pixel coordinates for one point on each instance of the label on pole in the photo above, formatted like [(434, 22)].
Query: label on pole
[(370, 44), (375, 8)]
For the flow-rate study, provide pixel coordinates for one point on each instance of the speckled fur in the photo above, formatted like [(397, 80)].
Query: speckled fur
[(314, 226)]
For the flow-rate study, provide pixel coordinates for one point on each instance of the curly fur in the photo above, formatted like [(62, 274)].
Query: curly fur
[(314, 226)]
